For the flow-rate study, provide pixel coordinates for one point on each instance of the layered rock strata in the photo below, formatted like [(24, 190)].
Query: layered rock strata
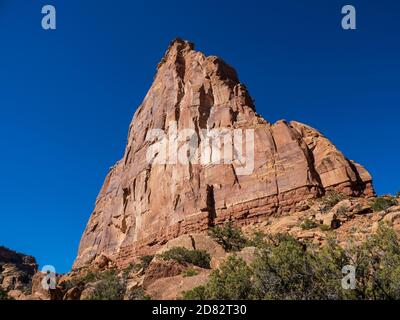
[(146, 202)]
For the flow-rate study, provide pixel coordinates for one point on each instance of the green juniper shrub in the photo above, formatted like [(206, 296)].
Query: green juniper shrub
[(308, 224), (291, 270), (287, 269), (324, 227), (3, 295), (197, 293), (378, 266), (182, 255), (257, 240), (228, 236), (142, 265), (331, 199), (342, 211), (128, 270), (383, 203), (232, 281), (137, 294), (108, 287), (190, 272), (145, 261), (81, 281)]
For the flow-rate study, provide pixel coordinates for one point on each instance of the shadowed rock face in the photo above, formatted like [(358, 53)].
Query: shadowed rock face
[(143, 204), (16, 270)]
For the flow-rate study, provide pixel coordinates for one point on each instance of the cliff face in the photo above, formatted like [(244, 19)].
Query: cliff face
[(16, 270), (148, 198)]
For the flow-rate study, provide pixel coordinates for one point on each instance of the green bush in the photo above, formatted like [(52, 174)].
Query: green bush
[(138, 294), (378, 266), (228, 236), (287, 269), (142, 265), (231, 282), (308, 224), (342, 211), (198, 293), (3, 295), (110, 287), (145, 261), (330, 200), (81, 281), (257, 240), (198, 258), (383, 203), (190, 272), (324, 227)]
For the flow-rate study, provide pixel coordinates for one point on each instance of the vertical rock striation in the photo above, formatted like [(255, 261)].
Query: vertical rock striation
[(143, 204)]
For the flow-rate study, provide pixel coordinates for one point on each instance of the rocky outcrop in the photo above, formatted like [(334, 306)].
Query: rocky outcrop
[(16, 272), (147, 201)]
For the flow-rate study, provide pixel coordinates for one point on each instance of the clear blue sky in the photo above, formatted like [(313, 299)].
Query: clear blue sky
[(68, 96)]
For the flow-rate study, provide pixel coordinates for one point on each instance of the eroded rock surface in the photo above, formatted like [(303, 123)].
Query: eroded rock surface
[(143, 205), (16, 272)]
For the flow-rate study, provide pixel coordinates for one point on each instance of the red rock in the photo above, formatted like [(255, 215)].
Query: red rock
[(143, 205)]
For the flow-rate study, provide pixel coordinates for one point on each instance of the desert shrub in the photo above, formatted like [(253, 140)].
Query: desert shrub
[(198, 258), (228, 236), (109, 287), (342, 211), (142, 265), (3, 295), (324, 227), (383, 203), (257, 240), (197, 293), (308, 224), (232, 281), (287, 269), (330, 200), (190, 272), (378, 266), (138, 294), (145, 261), (81, 281)]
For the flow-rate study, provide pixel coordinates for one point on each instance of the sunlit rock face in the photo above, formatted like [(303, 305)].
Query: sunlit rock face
[(149, 198)]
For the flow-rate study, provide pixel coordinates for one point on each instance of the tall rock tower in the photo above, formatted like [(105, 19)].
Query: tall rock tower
[(145, 202)]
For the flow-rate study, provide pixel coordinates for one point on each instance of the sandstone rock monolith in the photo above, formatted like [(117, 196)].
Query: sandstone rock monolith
[(143, 204)]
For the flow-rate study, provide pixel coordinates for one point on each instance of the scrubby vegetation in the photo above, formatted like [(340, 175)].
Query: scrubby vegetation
[(330, 200), (308, 224), (138, 294), (228, 236), (383, 203), (3, 295), (190, 272), (142, 265), (182, 255), (81, 281), (145, 262), (108, 287), (286, 268)]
